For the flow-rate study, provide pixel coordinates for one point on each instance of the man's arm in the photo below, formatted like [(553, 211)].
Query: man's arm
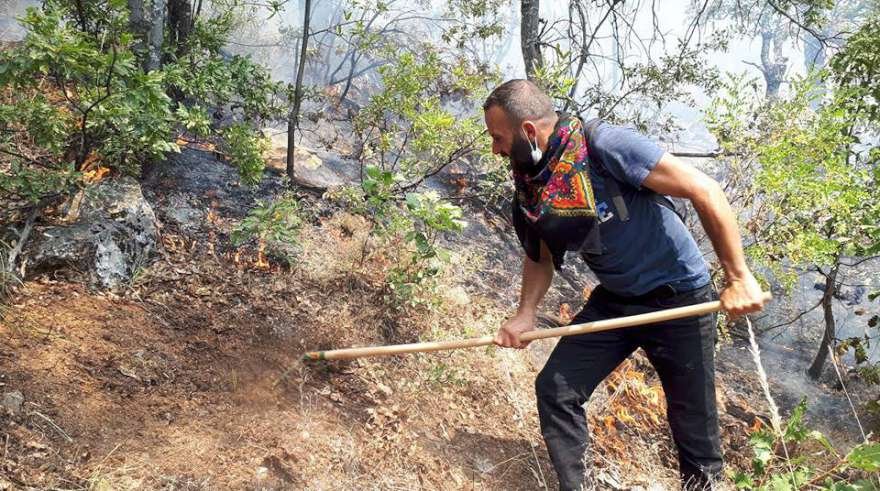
[(673, 177), (536, 278)]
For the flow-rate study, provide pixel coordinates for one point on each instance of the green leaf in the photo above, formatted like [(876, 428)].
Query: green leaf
[(822, 439), (865, 457), (743, 481), (762, 446), (794, 429)]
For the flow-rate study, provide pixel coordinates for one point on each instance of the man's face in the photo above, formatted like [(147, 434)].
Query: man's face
[(508, 140)]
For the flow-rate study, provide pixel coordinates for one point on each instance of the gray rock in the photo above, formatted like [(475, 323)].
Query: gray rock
[(12, 402), (312, 169), (183, 214), (312, 173), (112, 233)]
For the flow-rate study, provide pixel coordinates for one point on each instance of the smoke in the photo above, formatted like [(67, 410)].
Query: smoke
[(10, 10)]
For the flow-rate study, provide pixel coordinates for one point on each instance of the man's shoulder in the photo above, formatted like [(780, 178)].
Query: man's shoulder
[(606, 134)]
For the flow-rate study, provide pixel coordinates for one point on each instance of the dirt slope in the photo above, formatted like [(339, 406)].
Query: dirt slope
[(190, 378)]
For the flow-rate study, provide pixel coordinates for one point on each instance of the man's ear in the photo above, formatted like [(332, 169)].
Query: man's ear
[(530, 130)]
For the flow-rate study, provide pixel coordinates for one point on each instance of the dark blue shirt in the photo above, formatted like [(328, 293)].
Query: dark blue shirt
[(653, 247)]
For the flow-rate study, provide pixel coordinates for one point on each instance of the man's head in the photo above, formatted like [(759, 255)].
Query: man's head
[(519, 117)]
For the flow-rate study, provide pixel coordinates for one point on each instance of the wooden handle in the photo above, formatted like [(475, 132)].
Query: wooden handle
[(595, 326)]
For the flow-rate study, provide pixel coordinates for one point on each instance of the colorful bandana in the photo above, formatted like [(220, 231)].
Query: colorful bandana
[(554, 202)]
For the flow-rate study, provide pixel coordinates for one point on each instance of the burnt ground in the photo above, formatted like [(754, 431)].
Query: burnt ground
[(190, 377)]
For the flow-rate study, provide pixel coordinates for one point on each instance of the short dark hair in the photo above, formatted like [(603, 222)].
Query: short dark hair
[(521, 100)]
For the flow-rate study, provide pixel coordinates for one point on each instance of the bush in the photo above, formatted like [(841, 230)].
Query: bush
[(800, 458), (274, 225), (244, 147), (72, 101), (73, 98)]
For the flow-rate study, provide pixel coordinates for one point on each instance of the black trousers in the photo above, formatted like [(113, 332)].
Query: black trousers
[(682, 352)]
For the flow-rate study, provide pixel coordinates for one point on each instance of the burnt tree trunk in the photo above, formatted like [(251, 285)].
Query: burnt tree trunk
[(293, 119), (830, 334), (530, 36), (180, 24)]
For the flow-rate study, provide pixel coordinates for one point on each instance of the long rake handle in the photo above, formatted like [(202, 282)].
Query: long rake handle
[(595, 326)]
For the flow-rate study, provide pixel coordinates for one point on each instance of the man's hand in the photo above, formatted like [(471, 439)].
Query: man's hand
[(742, 296), (508, 334)]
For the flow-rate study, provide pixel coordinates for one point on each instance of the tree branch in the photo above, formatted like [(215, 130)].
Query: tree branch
[(860, 261), (795, 319), (781, 11)]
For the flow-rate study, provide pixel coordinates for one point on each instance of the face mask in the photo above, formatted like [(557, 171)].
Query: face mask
[(536, 153)]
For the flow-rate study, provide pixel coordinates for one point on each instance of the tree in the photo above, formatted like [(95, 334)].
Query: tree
[(814, 197), (293, 120), (592, 58), (180, 24), (147, 20), (82, 95), (530, 36)]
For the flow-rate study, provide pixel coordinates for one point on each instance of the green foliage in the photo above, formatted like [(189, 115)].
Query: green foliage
[(810, 461), (813, 191), (276, 223), (409, 132), (554, 77), (204, 74), (407, 129), (426, 216), (865, 457), (244, 147), (73, 96), (70, 98), (475, 20), (411, 226), (857, 68), (194, 119), (378, 186)]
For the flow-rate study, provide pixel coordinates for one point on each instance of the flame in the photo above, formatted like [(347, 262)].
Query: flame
[(95, 175), (261, 258)]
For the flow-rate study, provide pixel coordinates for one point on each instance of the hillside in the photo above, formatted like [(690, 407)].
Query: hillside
[(189, 377)]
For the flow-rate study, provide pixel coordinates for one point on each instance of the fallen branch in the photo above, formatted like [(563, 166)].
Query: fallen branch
[(23, 235), (52, 423)]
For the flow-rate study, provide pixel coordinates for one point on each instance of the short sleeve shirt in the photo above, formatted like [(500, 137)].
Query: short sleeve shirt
[(652, 248)]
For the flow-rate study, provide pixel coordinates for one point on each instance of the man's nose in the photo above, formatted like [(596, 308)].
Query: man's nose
[(496, 149)]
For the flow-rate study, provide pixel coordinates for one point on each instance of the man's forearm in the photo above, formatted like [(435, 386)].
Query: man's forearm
[(675, 178), (719, 222), (536, 279)]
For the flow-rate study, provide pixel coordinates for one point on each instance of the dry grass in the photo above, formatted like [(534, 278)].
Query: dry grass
[(194, 381)]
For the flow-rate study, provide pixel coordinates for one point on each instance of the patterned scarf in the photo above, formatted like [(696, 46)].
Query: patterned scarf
[(554, 201)]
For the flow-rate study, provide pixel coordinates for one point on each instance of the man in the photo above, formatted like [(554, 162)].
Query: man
[(599, 191)]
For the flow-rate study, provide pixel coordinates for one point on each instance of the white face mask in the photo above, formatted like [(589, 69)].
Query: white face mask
[(536, 152)]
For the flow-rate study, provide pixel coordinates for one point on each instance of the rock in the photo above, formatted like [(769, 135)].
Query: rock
[(12, 402), (312, 169), (184, 215), (113, 233), (311, 172)]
